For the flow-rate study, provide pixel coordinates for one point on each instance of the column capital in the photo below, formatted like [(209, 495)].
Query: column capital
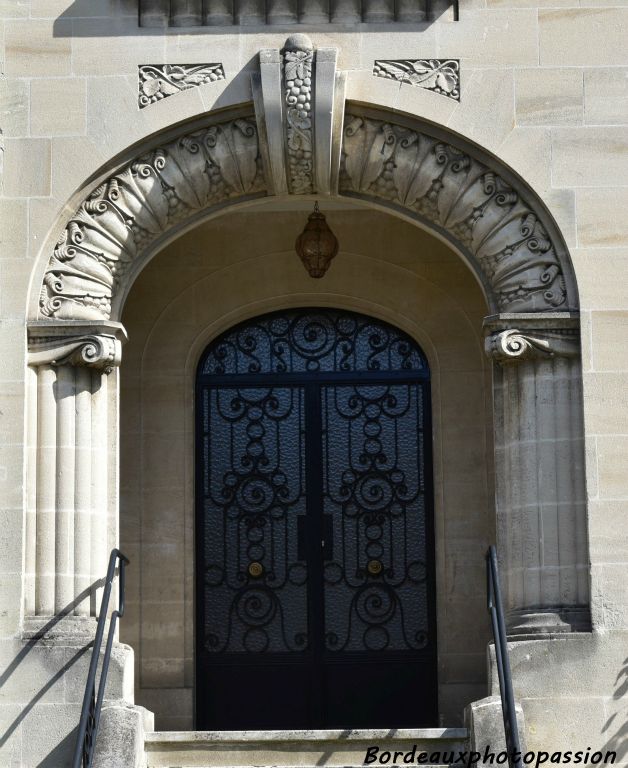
[(96, 344), (511, 337)]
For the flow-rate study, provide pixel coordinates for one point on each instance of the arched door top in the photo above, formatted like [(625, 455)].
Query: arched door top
[(306, 341), (318, 145)]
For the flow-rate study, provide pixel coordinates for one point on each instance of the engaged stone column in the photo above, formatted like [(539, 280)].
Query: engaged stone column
[(69, 471), (540, 480)]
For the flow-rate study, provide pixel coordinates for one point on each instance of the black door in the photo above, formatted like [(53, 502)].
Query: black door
[(314, 545)]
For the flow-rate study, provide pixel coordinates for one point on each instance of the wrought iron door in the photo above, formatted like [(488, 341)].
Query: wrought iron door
[(315, 580)]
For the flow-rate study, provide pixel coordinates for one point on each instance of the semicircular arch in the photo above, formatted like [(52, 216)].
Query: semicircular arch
[(416, 170)]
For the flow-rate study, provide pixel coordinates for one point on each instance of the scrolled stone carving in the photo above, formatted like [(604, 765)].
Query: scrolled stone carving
[(298, 58), (132, 208), (513, 345), (100, 351), (438, 75), (158, 81), (472, 203)]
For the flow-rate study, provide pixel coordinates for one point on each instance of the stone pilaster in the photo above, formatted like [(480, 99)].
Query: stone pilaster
[(539, 451), (70, 401)]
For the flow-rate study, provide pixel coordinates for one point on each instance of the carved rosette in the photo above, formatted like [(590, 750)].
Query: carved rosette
[(470, 202), (297, 61), (132, 208), (513, 345)]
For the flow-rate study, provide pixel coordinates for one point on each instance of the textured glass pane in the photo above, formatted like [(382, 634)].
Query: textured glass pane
[(375, 587), (254, 492), (313, 340)]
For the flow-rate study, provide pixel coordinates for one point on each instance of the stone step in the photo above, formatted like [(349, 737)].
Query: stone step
[(295, 749)]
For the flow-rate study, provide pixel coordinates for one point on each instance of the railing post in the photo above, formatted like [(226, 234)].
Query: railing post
[(92, 702), (496, 610)]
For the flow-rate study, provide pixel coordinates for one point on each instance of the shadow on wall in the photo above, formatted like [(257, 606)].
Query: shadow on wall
[(52, 760), (120, 18), (618, 739)]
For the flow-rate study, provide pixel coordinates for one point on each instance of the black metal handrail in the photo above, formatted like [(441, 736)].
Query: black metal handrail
[(92, 701), (496, 610)]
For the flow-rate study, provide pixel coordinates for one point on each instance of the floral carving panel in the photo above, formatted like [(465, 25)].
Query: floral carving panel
[(132, 208), (439, 75), (158, 81), (442, 185)]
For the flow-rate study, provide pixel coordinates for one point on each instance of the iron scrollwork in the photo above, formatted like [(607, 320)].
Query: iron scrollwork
[(362, 383)]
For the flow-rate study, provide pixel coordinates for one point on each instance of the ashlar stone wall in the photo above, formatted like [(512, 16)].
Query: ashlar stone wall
[(544, 86)]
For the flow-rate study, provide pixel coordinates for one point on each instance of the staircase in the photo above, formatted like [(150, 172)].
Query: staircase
[(296, 749)]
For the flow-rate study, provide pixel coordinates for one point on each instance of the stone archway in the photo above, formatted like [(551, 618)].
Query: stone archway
[(299, 137)]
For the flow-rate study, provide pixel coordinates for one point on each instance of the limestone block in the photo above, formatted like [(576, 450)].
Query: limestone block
[(548, 96), (13, 229), (600, 219), (27, 167), (527, 149), (121, 736), (612, 457), (73, 159), (10, 586), (113, 47), (564, 723), (77, 9), (33, 49), (607, 402), (177, 702), (119, 684), (601, 274), (609, 595), (589, 157), (14, 107), (606, 96), (485, 722), (491, 37), (58, 107), (487, 91), (55, 729), (42, 215), (609, 332), (14, 9), (10, 727), (583, 36), (15, 276)]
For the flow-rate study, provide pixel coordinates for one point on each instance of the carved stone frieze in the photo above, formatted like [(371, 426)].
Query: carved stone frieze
[(463, 197), (513, 345), (158, 81), (439, 75), (136, 205), (298, 59)]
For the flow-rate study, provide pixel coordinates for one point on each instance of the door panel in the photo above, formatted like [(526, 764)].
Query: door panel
[(255, 581), (374, 490)]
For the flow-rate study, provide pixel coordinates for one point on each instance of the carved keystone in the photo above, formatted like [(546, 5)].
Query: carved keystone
[(299, 100)]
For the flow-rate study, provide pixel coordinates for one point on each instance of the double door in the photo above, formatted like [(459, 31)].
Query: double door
[(315, 590)]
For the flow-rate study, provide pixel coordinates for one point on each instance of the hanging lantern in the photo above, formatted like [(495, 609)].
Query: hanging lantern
[(317, 245)]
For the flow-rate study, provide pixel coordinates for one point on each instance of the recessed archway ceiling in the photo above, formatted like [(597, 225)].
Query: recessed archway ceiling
[(302, 147)]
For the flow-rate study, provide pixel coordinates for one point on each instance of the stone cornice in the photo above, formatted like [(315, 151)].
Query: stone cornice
[(95, 345)]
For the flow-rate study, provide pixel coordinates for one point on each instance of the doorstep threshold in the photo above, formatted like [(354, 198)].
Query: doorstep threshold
[(348, 734)]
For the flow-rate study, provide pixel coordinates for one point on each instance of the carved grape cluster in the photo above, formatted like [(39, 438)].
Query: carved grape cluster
[(298, 56)]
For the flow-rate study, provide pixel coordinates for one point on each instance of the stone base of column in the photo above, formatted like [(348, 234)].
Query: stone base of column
[(554, 620), (68, 628)]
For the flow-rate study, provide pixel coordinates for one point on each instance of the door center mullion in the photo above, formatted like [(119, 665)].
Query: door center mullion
[(314, 546)]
